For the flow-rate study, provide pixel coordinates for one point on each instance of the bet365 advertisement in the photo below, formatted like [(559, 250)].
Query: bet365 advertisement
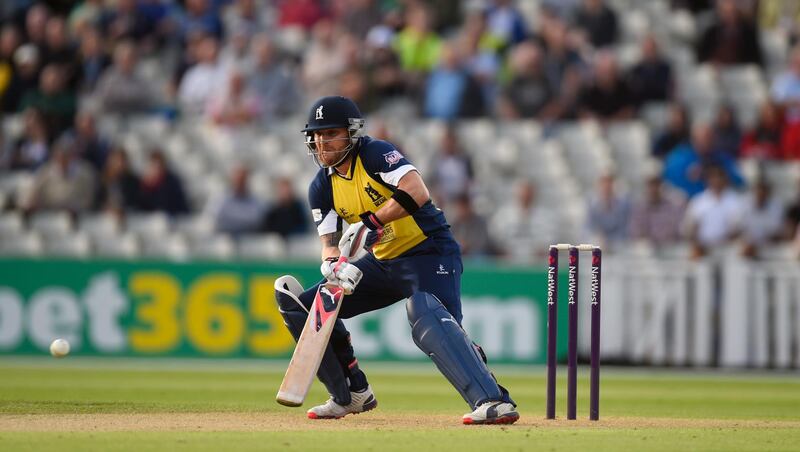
[(228, 310)]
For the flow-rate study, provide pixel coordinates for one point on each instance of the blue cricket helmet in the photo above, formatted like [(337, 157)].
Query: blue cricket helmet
[(333, 112)]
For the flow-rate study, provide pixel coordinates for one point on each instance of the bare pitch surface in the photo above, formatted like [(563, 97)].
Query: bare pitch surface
[(99, 405)]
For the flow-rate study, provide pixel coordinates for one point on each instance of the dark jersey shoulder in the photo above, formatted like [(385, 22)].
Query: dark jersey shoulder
[(380, 157)]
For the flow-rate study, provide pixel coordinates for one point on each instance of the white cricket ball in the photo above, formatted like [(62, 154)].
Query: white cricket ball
[(59, 348)]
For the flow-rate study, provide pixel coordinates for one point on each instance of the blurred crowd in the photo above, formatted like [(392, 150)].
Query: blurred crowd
[(252, 63)]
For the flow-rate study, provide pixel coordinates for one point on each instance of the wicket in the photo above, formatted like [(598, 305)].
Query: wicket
[(572, 330)]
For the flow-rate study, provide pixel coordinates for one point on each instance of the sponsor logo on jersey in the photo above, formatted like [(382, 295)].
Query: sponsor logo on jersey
[(441, 270), (393, 157)]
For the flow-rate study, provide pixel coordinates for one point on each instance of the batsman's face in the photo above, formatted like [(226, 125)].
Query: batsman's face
[(330, 144)]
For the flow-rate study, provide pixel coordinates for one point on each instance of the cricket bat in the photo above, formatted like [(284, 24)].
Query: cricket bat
[(311, 345)]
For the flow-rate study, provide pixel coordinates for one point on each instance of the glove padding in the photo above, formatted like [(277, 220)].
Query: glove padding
[(352, 243), (375, 227), (342, 273)]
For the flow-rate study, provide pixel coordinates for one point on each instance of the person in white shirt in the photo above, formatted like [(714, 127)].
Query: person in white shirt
[(202, 79), (714, 217), (762, 219)]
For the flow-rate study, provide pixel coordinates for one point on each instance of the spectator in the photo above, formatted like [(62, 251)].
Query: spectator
[(118, 190), (762, 219), (324, 60), (791, 217), (360, 16), (451, 92), (125, 22), (608, 213), (676, 134), (65, 183), (506, 23), (382, 65), (714, 217), (161, 189), (656, 217), (727, 135), (598, 21), (86, 15), (234, 106), (235, 53), (786, 93), (562, 64), (480, 55), (89, 145), (92, 60), (25, 77), (32, 149), (524, 229), (304, 14), (120, 89), (201, 79), (452, 172), (353, 84), (58, 50), (52, 98), (247, 17), (764, 141), (471, 230), (786, 87), (288, 214), (417, 45), (528, 94), (238, 212), (730, 39), (272, 81), (685, 167), (10, 40), (36, 26), (651, 78), (199, 18), (608, 96)]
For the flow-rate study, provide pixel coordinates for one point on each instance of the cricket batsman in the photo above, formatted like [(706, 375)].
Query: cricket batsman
[(412, 257)]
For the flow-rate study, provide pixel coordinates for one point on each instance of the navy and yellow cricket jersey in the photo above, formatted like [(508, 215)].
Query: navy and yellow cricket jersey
[(374, 174)]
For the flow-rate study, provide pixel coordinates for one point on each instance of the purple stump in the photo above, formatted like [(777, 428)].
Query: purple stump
[(594, 383), (552, 330), (572, 334)]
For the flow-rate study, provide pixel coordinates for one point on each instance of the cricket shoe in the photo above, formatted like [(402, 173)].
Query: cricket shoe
[(493, 412), (359, 403)]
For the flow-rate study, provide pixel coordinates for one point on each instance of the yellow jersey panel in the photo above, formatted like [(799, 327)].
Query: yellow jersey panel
[(362, 193)]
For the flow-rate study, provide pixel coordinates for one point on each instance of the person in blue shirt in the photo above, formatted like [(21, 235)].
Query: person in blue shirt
[(685, 166), (412, 256)]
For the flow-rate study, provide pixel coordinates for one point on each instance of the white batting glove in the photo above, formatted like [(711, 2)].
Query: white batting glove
[(348, 277), (352, 243), (328, 269)]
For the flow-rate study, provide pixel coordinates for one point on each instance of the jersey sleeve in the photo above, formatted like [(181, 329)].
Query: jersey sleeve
[(384, 162), (320, 198)]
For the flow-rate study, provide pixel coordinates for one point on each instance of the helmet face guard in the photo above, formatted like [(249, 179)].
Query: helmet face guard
[(333, 112), (354, 132)]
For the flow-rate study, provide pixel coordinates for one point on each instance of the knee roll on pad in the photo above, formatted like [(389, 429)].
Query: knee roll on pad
[(437, 334), (287, 294)]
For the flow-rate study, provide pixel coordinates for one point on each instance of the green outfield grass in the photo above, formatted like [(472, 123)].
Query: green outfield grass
[(106, 405)]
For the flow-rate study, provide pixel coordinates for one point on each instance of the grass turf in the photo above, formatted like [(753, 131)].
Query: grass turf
[(135, 387)]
